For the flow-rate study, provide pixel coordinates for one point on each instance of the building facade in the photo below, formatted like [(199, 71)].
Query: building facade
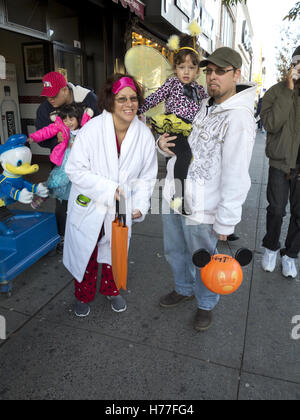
[(88, 43)]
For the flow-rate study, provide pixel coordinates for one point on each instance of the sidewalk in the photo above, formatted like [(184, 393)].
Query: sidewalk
[(148, 352)]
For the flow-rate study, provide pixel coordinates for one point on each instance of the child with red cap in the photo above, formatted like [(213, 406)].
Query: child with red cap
[(58, 92)]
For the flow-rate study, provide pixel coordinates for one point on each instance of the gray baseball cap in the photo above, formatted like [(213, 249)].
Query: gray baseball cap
[(224, 57)]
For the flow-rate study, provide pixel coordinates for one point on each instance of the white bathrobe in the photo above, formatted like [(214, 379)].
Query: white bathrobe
[(96, 172)]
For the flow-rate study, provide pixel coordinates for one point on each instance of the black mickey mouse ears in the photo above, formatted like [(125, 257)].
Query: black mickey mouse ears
[(201, 257), (244, 256)]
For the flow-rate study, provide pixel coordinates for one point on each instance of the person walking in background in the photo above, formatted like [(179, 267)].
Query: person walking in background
[(280, 115)]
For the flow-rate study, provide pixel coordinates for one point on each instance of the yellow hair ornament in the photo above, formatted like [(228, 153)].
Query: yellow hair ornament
[(194, 29), (174, 43)]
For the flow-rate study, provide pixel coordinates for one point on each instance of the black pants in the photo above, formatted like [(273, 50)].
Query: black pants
[(280, 190), (61, 216), (184, 156)]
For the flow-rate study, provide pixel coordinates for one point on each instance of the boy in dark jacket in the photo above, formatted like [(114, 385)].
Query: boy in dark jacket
[(58, 93), (280, 114)]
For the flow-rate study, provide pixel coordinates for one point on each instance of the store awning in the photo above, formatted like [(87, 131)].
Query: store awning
[(136, 6)]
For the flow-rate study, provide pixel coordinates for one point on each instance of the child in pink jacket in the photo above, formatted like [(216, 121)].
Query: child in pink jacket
[(68, 120), (58, 125)]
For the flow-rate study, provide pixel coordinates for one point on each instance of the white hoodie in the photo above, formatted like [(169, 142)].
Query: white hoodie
[(218, 180)]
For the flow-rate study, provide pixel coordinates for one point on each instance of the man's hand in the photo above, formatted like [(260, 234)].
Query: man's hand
[(221, 237), (290, 80), (164, 143)]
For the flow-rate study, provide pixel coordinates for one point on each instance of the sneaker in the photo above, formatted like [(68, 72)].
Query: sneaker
[(173, 299), (289, 267), (37, 202), (269, 260), (118, 303), (203, 320), (82, 309)]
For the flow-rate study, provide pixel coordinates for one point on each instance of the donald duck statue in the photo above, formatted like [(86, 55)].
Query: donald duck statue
[(24, 236), (15, 159)]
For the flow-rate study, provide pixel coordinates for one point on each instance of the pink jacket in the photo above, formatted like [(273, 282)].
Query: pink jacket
[(52, 130)]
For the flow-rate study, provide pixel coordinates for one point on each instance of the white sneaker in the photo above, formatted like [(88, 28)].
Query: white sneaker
[(269, 260), (289, 267)]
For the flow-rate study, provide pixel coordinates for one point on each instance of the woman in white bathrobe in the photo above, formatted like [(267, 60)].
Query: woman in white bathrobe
[(113, 154)]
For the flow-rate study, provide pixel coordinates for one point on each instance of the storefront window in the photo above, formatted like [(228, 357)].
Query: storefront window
[(138, 39), (69, 64), (27, 13), (63, 23)]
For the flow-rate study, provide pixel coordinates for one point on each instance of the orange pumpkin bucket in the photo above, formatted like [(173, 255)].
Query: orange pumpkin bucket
[(119, 250), (222, 274)]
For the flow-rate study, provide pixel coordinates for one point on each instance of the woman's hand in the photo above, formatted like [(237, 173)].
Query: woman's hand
[(29, 140), (164, 143), (136, 214), (119, 193)]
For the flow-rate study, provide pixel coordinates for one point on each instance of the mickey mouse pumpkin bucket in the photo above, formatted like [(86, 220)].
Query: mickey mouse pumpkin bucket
[(222, 274)]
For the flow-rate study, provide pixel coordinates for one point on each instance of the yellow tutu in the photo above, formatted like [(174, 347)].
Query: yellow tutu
[(170, 124)]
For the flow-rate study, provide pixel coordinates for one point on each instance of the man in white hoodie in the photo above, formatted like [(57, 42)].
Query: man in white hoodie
[(218, 180)]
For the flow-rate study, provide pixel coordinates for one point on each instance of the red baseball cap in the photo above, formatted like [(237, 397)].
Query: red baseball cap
[(52, 83)]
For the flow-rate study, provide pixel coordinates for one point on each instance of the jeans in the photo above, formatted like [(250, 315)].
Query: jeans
[(280, 189), (181, 239)]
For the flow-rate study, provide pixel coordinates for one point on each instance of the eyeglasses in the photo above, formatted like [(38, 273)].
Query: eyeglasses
[(123, 100), (219, 72)]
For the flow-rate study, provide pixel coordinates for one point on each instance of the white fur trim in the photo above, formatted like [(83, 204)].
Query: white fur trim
[(89, 112)]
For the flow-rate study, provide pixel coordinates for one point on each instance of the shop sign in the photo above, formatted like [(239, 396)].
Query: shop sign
[(135, 6), (2, 328)]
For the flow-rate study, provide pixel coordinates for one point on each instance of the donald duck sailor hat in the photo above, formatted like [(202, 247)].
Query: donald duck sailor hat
[(13, 142)]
